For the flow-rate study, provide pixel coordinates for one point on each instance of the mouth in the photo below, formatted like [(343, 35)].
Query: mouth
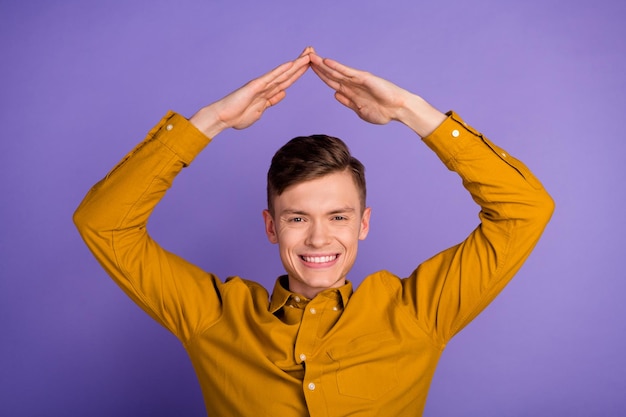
[(319, 259)]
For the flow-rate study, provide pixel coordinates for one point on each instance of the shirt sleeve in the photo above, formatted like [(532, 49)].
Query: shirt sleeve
[(112, 221), (447, 291)]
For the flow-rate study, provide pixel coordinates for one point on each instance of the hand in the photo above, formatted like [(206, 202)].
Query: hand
[(246, 105), (375, 99)]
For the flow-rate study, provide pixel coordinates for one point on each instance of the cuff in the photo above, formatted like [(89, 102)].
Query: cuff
[(450, 137), (182, 137)]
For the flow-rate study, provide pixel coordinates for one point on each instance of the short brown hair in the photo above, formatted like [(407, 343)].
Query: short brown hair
[(305, 158)]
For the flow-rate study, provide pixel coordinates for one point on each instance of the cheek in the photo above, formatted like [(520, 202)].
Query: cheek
[(349, 238), (288, 238)]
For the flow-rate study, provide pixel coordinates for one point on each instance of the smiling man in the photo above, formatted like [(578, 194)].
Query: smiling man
[(316, 348), (317, 213)]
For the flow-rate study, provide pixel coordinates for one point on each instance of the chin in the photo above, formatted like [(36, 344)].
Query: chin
[(323, 283)]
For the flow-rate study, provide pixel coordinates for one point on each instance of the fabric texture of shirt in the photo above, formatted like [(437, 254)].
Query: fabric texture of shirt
[(371, 352)]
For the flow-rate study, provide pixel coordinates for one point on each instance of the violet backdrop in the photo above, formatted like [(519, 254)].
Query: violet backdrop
[(84, 81)]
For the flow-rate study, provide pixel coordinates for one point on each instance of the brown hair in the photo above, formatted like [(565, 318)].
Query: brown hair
[(305, 158)]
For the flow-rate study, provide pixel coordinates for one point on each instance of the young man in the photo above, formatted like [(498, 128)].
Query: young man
[(317, 348)]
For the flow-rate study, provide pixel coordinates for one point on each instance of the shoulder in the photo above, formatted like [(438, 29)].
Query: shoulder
[(382, 280), (236, 284)]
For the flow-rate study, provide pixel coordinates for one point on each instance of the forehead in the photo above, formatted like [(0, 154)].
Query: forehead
[(329, 192)]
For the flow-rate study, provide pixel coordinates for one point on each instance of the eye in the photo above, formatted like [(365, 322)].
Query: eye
[(296, 220), (340, 218)]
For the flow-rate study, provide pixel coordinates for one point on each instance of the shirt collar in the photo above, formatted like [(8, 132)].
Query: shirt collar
[(280, 294)]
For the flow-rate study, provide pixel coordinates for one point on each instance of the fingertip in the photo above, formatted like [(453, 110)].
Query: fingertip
[(277, 98), (307, 51), (329, 61), (344, 100), (315, 57)]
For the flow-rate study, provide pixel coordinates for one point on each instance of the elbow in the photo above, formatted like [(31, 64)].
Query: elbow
[(90, 215), (81, 220), (84, 220), (548, 206), (544, 207)]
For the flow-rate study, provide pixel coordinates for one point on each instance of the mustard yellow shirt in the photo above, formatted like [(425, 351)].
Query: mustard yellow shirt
[(371, 352)]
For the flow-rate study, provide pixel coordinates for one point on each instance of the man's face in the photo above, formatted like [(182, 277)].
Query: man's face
[(317, 225)]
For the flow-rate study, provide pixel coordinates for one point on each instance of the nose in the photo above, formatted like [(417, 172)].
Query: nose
[(318, 235)]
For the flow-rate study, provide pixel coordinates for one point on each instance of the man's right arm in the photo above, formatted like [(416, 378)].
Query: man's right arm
[(112, 220), (113, 216)]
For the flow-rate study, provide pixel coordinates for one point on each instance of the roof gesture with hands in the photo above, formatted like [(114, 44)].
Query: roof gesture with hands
[(372, 98)]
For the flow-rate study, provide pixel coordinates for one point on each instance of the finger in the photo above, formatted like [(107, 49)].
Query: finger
[(318, 62), (307, 51), (286, 79), (293, 77), (343, 99), (285, 84), (339, 68), (280, 77), (331, 77), (322, 64), (323, 71), (332, 83), (299, 64), (315, 57), (274, 90), (286, 70), (280, 70), (277, 98), (302, 61), (276, 72)]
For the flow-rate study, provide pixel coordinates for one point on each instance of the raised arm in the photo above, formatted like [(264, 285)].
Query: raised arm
[(450, 289), (113, 216)]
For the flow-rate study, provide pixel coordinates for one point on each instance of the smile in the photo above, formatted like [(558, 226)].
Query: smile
[(319, 259)]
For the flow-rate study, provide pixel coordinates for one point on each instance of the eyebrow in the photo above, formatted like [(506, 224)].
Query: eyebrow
[(304, 213)]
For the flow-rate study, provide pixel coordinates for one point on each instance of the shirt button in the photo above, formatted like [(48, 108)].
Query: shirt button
[(311, 386), (169, 127), (455, 133), (297, 299), (335, 308), (302, 357), (503, 154), (313, 311)]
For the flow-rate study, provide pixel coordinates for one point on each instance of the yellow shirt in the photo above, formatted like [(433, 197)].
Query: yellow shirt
[(368, 353)]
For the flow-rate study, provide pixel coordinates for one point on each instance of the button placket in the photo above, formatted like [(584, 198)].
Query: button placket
[(307, 340)]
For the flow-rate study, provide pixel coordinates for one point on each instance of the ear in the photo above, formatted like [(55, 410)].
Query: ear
[(365, 223), (270, 227)]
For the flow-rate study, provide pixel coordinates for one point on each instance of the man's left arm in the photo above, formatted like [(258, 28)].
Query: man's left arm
[(453, 287), (449, 290)]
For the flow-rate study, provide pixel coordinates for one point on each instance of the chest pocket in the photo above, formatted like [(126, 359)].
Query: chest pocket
[(366, 367)]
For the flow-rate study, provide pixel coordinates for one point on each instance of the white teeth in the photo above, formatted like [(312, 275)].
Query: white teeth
[(319, 259)]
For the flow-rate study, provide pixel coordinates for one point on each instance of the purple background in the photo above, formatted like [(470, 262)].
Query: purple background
[(82, 82)]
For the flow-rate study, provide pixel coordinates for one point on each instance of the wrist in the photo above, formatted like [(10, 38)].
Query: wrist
[(208, 122), (420, 116)]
